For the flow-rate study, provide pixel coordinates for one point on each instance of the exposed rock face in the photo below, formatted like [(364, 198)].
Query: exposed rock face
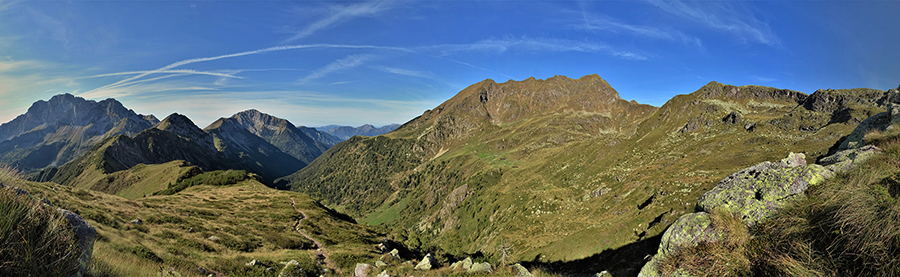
[(732, 118), (880, 121), (834, 100), (54, 132)]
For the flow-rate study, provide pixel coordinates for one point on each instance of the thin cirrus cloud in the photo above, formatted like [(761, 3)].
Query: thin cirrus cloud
[(595, 22), (404, 72), (436, 51), (338, 15), (722, 16), (245, 53), (536, 45), (177, 71), (350, 61)]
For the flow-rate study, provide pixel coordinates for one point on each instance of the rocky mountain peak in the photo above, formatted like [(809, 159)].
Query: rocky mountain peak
[(181, 125), (65, 124), (714, 90), (256, 121), (488, 102)]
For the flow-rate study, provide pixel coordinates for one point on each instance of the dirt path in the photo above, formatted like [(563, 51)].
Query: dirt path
[(320, 251)]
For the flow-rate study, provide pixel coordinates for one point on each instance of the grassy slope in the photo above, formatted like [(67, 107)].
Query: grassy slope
[(251, 220), (532, 182)]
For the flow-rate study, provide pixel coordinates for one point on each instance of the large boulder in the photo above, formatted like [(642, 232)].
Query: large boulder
[(521, 271), (291, 269), (843, 161), (84, 234), (464, 264), (757, 192), (689, 230), (361, 270), (427, 263), (481, 268)]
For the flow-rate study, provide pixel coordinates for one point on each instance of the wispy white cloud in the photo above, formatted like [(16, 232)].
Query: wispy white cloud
[(176, 71), (18, 66), (763, 79), (340, 14), (340, 64), (536, 45), (246, 53), (404, 72), (6, 5), (722, 16), (596, 22)]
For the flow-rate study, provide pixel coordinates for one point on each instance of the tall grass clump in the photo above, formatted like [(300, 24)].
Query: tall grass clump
[(35, 240), (726, 257), (849, 226)]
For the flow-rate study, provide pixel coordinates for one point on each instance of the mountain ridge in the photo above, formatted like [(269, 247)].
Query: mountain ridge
[(494, 162)]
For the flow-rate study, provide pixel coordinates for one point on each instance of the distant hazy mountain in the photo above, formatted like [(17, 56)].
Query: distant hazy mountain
[(347, 132), (70, 138), (225, 144), (54, 132), (304, 144)]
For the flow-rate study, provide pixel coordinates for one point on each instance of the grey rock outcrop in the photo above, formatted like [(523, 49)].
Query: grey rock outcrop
[(521, 271), (755, 194), (427, 263), (291, 269), (881, 122), (481, 268), (689, 230), (84, 234), (464, 264), (361, 269)]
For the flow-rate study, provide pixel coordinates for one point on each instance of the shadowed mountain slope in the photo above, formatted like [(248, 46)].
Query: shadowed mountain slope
[(225, 145), (304, 144), (562, 169), (54, 132)]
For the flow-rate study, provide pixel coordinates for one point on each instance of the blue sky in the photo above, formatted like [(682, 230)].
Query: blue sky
[(380, 62)]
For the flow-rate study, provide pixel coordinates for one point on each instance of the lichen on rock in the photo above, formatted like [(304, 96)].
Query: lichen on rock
[(759, 191), (689, 230)]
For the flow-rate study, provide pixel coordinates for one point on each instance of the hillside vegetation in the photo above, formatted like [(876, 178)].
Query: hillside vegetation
[(563, 169), (212, 222)]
